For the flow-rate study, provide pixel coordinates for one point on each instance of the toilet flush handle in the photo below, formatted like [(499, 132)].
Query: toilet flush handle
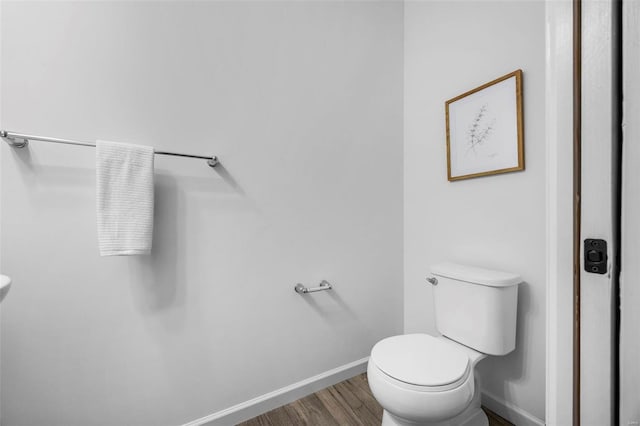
[(433, 280)]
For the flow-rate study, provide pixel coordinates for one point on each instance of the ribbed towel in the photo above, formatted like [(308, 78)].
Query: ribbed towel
[(124, 176)]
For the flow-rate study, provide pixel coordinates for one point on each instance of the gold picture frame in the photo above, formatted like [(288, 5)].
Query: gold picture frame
[(485, 129)]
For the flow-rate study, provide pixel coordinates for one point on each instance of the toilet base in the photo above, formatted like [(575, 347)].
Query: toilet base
[(471, 416)]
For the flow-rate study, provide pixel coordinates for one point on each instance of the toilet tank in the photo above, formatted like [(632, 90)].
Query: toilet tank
[(476, 307)]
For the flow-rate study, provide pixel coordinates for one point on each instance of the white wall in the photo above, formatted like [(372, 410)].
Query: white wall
[(499, 221), (302, 102)]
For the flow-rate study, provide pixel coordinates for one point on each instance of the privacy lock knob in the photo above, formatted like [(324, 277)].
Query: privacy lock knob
[(433, 280)]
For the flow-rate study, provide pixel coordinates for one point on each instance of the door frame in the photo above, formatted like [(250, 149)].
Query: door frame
[(563, 394), (629, 373), (559, 212)]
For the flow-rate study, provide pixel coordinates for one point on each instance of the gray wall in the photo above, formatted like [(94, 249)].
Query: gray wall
[(302, 102), (496, 222)]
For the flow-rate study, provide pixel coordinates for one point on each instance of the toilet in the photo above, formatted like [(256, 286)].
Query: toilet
[(423, 380)]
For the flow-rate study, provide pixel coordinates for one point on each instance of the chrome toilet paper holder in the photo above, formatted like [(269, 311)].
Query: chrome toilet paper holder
[(301, 289)]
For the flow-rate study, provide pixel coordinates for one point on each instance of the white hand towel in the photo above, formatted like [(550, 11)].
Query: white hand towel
[(124, 176)]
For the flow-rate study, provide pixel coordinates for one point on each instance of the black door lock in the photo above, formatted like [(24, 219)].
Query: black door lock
[(595, 256)]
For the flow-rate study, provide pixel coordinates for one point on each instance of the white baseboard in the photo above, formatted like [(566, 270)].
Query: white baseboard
[(261, 404), (508, 411)]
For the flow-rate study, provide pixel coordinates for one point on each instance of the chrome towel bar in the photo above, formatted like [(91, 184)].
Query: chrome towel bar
[(19, 140), (301, 289)]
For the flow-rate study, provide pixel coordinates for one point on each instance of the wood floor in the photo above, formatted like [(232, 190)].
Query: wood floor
[(347, 403)]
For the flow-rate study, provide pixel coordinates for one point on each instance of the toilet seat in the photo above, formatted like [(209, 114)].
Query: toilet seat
[(421, 380), (421, 362)]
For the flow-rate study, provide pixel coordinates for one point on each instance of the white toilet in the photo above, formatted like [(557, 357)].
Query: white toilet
[(423, 380)]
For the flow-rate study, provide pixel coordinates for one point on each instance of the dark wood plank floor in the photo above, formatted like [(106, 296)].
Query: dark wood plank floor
[(496, 420), (348, 403)]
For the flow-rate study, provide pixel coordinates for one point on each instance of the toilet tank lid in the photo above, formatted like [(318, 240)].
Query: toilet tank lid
[(475, 275)]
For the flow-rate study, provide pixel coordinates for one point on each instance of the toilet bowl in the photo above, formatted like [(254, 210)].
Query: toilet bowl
[(421, 380)]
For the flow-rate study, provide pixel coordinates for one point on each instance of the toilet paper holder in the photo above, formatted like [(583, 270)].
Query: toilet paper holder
[(301, 289)]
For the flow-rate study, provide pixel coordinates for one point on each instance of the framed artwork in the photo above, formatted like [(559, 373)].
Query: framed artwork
[(485, 134)]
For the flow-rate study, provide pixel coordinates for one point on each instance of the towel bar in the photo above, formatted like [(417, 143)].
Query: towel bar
[(301, 289), (19, 140)]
